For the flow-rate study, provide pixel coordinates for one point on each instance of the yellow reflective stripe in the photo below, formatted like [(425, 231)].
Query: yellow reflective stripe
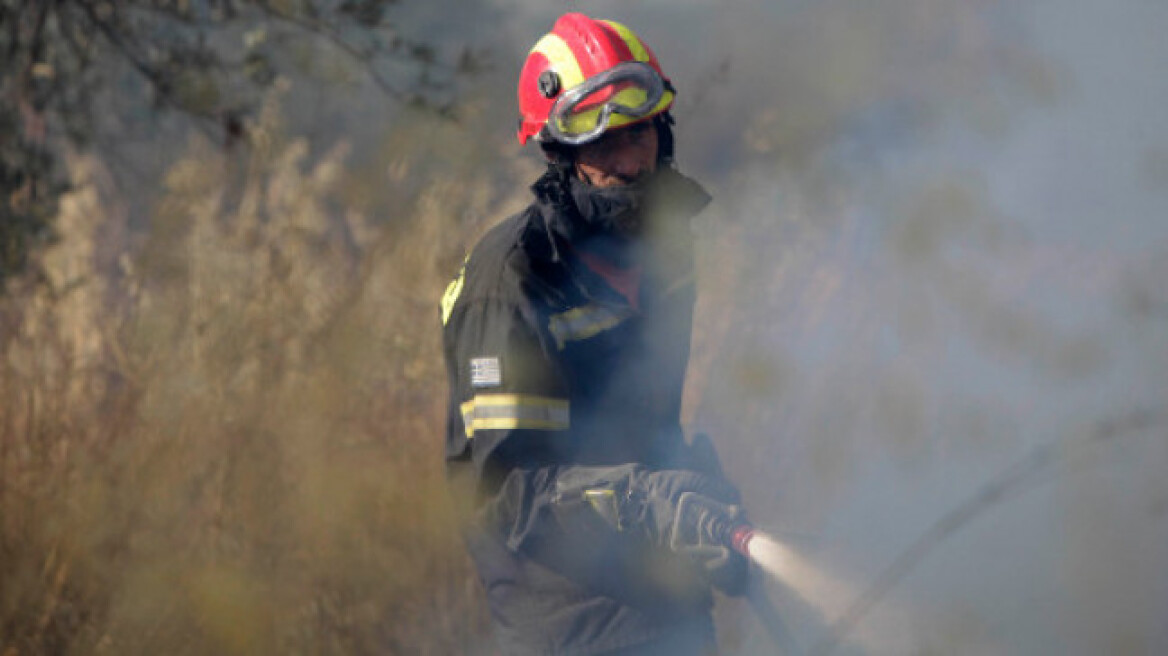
[(501, 423), (631, 40), (507, 400), (452, 291), (561, 59), (506, 411), (585, 322), (468, 417)]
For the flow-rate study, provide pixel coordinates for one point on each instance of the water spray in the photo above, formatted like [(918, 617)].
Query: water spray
[(763, 555), (705, 524), (713, 526), (742, 538)]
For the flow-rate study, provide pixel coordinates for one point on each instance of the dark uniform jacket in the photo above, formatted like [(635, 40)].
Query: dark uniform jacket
[(550, 368)]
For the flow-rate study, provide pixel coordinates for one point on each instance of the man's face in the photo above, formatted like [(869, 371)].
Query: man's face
[(619, 157)]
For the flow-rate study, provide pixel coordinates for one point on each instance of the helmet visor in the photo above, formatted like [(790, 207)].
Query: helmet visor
[(583, 113)]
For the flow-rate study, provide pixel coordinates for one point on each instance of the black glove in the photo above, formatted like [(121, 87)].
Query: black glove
[(703, 516), (685, 512)]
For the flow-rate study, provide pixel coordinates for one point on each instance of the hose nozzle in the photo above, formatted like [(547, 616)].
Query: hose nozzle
[(740, 538), (702, 522)]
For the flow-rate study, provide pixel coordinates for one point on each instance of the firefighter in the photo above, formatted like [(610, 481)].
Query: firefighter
[(566, 336)]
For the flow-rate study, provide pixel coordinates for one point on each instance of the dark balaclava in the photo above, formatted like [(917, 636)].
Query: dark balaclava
[(613, 212)]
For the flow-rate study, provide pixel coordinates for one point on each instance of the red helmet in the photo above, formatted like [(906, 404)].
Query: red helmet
[(586, 76)]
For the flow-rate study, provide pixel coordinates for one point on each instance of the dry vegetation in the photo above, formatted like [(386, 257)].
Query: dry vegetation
[(231, 443)]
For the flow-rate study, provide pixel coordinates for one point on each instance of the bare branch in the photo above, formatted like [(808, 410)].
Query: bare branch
[(155, 78), (340, 43)]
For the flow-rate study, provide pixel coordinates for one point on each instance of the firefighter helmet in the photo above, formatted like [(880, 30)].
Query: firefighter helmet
[(586, 76)]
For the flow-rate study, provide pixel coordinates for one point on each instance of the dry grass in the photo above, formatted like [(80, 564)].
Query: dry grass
[(232, 443)]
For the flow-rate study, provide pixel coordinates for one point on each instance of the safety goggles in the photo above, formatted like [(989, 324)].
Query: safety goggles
[(584, 112)]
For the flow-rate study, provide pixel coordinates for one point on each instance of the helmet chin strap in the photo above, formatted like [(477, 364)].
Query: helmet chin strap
[(664, 124)]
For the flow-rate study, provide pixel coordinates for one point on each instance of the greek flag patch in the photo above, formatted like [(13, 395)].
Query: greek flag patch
[(484, 372)]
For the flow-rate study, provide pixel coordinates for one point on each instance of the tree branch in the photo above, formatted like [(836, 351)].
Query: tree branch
[(340, 43), (156, 80)]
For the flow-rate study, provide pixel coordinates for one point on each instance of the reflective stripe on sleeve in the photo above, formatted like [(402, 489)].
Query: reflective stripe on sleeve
[(584, 322), (504, 411)]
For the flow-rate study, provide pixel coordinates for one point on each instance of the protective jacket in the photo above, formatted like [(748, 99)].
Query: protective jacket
[(551, 369)]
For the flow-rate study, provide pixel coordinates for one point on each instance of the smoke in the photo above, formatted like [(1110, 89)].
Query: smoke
[(942, 273), (938, 244)]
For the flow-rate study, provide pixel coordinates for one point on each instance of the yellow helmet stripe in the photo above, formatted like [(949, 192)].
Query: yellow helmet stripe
[(631, 40), (561, 59)]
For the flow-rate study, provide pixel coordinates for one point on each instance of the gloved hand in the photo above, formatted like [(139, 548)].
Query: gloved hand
[(687, 513), (701, 512)]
